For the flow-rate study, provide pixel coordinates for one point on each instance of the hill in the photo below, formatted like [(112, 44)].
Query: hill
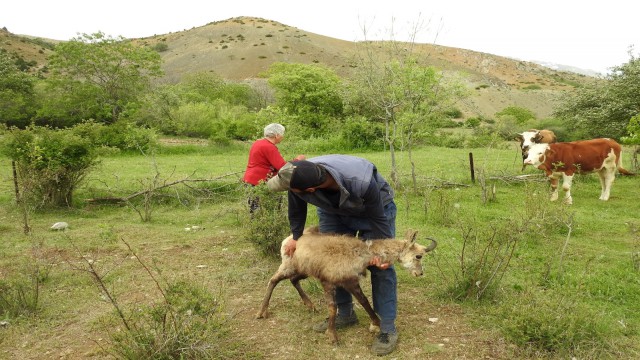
[(240, 49)]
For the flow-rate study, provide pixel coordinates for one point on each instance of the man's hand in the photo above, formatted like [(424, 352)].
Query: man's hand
[(300, 157), (290, 247), (375, 261)]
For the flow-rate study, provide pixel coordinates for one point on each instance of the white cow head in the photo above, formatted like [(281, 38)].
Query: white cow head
[(528, 138), (536, 154)]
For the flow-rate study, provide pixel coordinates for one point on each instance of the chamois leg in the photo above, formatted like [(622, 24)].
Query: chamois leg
[(275, 279), (356, 291), (330, 297), (295, 281)]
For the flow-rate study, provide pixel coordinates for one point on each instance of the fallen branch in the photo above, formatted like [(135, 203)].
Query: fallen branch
[(520, 178), (118, 200)]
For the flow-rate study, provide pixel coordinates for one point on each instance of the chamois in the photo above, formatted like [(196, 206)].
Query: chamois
[(340, 260)]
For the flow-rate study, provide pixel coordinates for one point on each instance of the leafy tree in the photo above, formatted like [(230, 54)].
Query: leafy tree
[(634, 138), (16, 93), (408, 98), (96, 76), (311, 93), (604, 108)]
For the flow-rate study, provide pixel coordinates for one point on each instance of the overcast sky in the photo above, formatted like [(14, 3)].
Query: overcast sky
[(593, 35)]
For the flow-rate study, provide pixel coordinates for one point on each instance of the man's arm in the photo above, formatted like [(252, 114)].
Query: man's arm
[(297, 215)]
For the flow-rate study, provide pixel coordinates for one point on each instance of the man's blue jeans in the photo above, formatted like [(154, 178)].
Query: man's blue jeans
[(383, 282)]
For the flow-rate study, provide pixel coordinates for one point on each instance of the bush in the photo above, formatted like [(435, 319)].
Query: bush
[(161, 47), (18, 298), (50, 163), (189, 324), (518, 114), (359, 134), (269, 223), (546, 322), (122, 135)]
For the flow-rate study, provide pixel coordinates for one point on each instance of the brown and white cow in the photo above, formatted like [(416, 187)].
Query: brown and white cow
[(565, 159), (534, 136)]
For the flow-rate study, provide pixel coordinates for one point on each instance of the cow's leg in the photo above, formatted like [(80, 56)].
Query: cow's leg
[(330, 297), (566, 186), (355, 290), (554, 187), (603, 182), (295, 281), (275, 279), (607, 176)]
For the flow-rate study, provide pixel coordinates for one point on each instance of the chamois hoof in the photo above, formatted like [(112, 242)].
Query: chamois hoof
[(262, 315), (373, 328), (310, 306)]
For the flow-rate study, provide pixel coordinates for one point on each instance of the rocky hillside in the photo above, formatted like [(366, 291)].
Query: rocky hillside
[(241, 48)]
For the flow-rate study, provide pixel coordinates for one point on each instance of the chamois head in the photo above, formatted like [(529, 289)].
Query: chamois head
[(411, 256)]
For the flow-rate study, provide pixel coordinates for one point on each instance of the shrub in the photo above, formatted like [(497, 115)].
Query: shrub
[(18, 298), (484, 258), (121, 135), (189, 324), (50, 163), (518, 114), (268, 224), (359, 134), (546, 322), (160, 47)]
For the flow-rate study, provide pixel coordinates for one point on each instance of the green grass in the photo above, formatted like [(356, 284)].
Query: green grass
[(571, 289)]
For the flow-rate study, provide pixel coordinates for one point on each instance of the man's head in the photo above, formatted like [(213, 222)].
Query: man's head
[(300, 175)]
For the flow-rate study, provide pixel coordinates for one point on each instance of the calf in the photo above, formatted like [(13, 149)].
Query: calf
[(565, 159), (340, 260)]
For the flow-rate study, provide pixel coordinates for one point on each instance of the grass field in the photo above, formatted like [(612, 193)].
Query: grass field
[(514, 275)]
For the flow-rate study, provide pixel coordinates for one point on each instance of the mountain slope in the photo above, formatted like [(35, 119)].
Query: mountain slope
[(242, 48)]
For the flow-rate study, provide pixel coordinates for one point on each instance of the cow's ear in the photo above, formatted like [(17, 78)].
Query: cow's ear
[(519, 137)]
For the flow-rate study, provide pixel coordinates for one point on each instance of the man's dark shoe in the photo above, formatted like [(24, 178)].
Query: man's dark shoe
[(341, 322), (384, 343)]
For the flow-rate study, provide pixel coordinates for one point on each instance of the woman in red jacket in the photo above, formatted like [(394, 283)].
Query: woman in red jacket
[(265, 159)]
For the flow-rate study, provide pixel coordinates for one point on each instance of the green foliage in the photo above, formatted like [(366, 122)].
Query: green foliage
[(122, 135), (203, 106), (16, 94), (453, 113), (473, 122), (189, 324), (306, 90), (50, 163), (268, 224), (550, 323), (357, 133), (518, 114), (633, 129), (18, 298), (160, 47), (485, 256), (603, 108), (101, 73)]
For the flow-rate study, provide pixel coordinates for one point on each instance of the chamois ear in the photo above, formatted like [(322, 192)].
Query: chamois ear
[(411, 236)]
